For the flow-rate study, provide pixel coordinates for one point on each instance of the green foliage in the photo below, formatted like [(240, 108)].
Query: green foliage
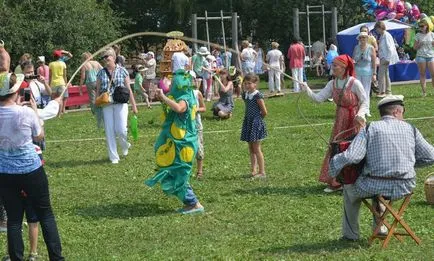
[(39, 27), (105, 212)]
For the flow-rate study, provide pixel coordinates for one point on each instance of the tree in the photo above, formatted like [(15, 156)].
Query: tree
[(39, 27)]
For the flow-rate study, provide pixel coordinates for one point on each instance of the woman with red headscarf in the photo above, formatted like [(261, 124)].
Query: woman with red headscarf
[(348, 94)]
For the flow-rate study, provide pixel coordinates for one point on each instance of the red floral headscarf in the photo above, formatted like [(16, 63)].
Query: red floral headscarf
[(346, 61)]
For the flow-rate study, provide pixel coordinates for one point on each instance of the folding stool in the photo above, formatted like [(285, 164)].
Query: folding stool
[(397, 219)]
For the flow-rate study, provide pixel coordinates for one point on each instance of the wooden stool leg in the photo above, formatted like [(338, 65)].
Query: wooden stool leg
[(398, 219)]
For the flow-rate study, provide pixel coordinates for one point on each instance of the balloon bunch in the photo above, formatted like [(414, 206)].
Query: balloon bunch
[(394, 9)]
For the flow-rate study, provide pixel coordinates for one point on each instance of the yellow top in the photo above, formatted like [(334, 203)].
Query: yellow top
[(57, 69)]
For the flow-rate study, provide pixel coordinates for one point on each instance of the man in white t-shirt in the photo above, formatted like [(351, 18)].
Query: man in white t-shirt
[(180, 60), (275, 61), (38, 85)]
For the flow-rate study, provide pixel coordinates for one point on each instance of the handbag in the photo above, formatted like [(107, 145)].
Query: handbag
[(121, 94), (350, 173), (103, 99)]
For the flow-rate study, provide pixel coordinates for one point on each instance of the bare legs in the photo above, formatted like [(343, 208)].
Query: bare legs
[(33, 237), (256, 159), (422, 69)]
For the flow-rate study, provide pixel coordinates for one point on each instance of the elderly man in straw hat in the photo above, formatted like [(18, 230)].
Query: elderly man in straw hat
[(275, 62), (392, 148)]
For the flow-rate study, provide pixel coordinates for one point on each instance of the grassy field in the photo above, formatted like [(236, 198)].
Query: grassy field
[(105, 212)]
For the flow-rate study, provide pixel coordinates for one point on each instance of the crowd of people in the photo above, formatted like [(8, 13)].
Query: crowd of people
[(196, 79)]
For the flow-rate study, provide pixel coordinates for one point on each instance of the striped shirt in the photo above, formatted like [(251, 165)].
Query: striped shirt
[(392, 148)]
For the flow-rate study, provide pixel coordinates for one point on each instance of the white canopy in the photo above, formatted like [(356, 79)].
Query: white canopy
[(390, 25)]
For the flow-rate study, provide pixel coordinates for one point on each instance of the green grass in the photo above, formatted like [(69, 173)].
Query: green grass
[(105, 212)]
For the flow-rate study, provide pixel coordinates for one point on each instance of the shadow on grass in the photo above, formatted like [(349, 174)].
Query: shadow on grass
[(124, 210), (293, 191), (422, 203), (76, 163), (336, 245)]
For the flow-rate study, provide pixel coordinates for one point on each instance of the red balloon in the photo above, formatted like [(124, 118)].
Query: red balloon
[(399, 16), (391, 4)]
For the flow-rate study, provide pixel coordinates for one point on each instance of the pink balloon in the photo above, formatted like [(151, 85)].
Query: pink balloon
[(381, 14), (391, 15), (415, 12), (400, 7)]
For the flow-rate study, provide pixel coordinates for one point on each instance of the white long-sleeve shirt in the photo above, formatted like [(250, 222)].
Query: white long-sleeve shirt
[(386, 49), (327, 93)]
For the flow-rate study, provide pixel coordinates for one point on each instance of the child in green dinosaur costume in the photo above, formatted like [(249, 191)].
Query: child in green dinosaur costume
[(176, 146)]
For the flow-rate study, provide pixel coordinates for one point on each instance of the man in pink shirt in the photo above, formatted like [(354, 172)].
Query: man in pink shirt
[(296, 56)]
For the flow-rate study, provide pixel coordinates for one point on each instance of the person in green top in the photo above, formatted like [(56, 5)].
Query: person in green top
[(88, 77), (176, 146), (139, 71)]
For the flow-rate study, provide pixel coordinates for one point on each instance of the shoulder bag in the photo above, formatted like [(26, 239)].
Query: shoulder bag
[(104, 98), (121, 93)]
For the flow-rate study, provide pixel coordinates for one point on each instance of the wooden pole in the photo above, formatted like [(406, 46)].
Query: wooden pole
[(207, 29), (194, 30)]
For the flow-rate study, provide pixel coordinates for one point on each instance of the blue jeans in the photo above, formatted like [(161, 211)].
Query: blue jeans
[(35, 185), (190, 198)]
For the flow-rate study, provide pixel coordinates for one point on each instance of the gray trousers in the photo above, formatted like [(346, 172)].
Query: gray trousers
[(350, 218), (91, 92), (384, 84)]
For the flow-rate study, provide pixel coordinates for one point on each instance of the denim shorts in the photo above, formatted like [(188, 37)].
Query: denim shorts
[(420, 59)]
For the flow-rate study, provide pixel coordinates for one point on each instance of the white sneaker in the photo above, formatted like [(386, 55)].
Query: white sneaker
[(115, 161), (125, 152), (368, 115), (383, 231), (331, 190)]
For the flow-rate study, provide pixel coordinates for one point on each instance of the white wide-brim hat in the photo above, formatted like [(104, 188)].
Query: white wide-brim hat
[(203, 51), (5, 80), (362, 34)]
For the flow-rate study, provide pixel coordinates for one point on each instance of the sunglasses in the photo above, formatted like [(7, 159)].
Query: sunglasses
[(105, 57)]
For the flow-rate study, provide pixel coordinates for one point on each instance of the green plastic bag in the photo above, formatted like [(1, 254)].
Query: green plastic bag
[(134, 128)]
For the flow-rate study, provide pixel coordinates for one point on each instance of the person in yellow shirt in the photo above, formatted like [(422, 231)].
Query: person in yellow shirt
[(58, 78)]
